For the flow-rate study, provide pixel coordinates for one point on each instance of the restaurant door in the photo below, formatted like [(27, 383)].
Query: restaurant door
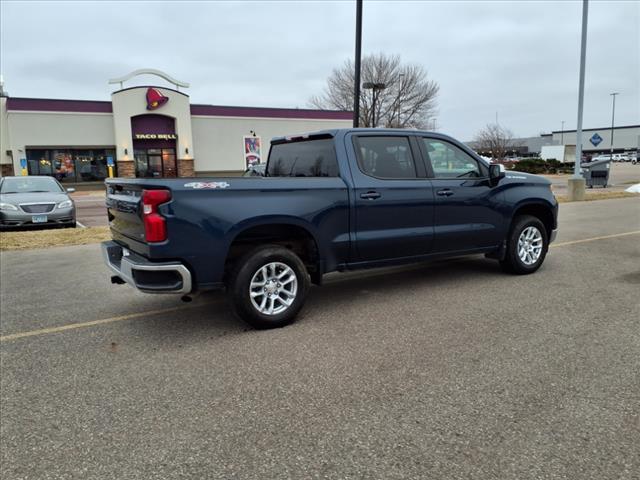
[(155, 162)]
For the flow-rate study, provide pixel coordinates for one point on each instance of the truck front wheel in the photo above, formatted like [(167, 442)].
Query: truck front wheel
[(527, 246), (268, 287)]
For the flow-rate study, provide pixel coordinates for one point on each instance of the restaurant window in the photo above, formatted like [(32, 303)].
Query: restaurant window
[(62, 165), (38, 162), (70, 165)]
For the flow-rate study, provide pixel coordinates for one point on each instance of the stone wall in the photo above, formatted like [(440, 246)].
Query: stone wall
[(6, 169), (185, 167), (126, 169)]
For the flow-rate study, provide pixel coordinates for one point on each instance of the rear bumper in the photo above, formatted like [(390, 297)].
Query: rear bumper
[(146, 276)]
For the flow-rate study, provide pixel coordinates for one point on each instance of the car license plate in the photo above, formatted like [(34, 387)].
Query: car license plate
[(39, 218)]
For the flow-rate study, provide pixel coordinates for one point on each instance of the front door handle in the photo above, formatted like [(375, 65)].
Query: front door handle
[(370, 195), (444, 192)]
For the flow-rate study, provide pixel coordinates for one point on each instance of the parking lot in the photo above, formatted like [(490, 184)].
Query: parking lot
[(621, 176), (442, 370)]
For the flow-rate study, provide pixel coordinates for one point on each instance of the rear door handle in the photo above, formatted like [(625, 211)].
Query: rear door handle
[(370, 195), (445, 192)]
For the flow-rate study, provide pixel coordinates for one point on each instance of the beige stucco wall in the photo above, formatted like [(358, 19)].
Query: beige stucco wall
[(56, 129), (219, 144), (4, 133), (131, 102)]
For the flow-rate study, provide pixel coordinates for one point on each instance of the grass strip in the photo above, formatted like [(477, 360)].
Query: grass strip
[(600, 195), (25, 240)]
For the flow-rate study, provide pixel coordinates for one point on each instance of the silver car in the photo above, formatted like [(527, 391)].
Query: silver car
[(35, 201)]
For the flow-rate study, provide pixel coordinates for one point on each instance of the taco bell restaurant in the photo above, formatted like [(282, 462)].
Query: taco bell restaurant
[(143, 131)]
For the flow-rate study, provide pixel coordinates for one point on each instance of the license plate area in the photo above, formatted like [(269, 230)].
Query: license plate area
[(39, 218)]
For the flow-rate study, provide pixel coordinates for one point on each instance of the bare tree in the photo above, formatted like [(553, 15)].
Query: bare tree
[(494, 140), (407, 101)]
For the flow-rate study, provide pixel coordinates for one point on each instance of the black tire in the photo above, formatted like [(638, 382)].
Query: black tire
[(238, 287), (512, 262)]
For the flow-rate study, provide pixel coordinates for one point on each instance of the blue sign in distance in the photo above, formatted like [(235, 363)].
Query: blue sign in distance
[(109, 161), (595, 139), (23, 163)]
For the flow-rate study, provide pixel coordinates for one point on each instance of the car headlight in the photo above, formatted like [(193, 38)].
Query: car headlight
[(7, 206), (65, 204)]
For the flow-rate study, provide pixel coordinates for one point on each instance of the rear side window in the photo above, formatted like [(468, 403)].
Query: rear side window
[(385, 157), (311, 158)]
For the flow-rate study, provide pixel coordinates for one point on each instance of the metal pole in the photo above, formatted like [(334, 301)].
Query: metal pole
[(562, 134), (583, 53), (613, 116), (356, 79), (373, 110), (401, 76)]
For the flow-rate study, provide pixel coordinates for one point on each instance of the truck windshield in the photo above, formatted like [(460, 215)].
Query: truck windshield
[(310, 158)]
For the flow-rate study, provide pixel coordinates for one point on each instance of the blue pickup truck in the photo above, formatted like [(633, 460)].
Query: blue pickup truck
[(333, 200)]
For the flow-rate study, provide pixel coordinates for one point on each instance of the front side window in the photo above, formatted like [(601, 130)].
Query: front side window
[(309, 158), (449, 161), (385, 157)]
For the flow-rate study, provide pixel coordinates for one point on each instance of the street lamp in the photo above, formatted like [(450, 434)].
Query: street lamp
[(577, 181), (613, 116), (375, 88), (356, 83)]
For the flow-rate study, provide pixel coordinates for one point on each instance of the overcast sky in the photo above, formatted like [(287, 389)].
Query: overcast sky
[(520, 59)]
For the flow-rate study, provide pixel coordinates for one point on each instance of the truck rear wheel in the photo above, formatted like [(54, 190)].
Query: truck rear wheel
[(527, 246), (268, 287)]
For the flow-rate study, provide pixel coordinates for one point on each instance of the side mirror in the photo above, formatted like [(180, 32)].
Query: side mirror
[(496, 172), (71, 190)]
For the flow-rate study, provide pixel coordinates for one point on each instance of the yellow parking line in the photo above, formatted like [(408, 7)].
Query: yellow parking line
[(131, 316), (73, 326), (593, 239)]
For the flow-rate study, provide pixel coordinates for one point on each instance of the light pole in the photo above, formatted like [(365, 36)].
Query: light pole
[(356, 83), (375, 88), (613, 116), (576, 182), (562, 134)]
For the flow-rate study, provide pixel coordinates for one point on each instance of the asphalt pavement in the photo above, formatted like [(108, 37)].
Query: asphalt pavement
[(90, 208), (447, 370), (621, 176)]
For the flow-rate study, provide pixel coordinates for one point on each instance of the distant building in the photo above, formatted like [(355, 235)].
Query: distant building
[(594, 141), (598, 140)]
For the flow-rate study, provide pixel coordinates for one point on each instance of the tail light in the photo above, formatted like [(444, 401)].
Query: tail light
[(155, 225)]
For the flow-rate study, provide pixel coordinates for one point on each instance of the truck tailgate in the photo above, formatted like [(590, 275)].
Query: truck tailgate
[(124, 209)]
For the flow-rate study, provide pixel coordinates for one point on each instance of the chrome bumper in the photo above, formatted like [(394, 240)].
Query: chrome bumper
[(124, 264)]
